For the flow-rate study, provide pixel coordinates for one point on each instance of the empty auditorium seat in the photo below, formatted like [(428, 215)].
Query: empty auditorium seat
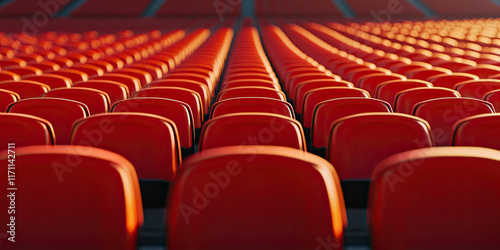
[(97, 101), (61, 113), (133, 83), (477, 88), (25, 88), (179, 112), (370, 82), (477, 130), (149, 142), (327, 112), (53, 81), (200, 88), (406, 99), (252, 104), (223, 212), (25, 130), (115, 90), (442, 113), (252, 129), (297, 94), (388, 90), (359, 142), (73, 178), (73, 74), (251, 92), (442, 186), (7, 97), (449, 81)]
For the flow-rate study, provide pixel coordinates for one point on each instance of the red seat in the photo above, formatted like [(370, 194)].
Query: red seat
[(53, 81), (442, 186), (23, 71), (325, 113), (97, 177), (252, 104), (494, 98), (281, 176), (133, 83), (7, 97), (25, 130), (155, 72), (25, 88), (179, 112), (359, 142), (200, 88), (61, 113), (89, 69), (477, 88), (426, 74), (250, 83), (96, 100), (442, 113), (9, 76), (387, 91), (115, 90), (370, 82), (47, 66), (297, 94), (477, 130), (316, 96), (74, 75), (188, 96), (142, 75), (251, 92), (406, 99), (449, 81), (134, 135), (12, 62), (291, 85), (483, 70), (252, 129)]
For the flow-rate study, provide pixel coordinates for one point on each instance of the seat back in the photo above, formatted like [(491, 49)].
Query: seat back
[(96, 100), (7, 97), (428, 197), (370, 82), (115, 90), (252, 104), (73, 177), (222, 180), (477, 130), (387, 91), (25, 88), (406, 99), (493, 97), (134, 135), (25, 130), (252, 129), (359, 142), (327, 112), (53, 81), (448, 81), (61, 113), (268, 92), (477, 88), (442, 113)]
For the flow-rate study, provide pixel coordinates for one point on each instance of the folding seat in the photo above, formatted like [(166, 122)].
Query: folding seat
[(53, 81), (62, 61), (188, 96), (179, 112), (407, 99), (133, 83), (7, 97), (193, 77), (115, 61), (442, 113), (244, 76), (426, 74), (124, 57), (494, 98), (296, 80), (104, 65), (288, 172), (252, 104), (202, 71), (252, 129), (405, 69), (25, 130), (200, 88), (442, 187), (115, 90), (477, 130), (9, 76), (477, 88), (483, 70), (159, 64), (449, 81), (47, 66), (73, 74), (387, 91), (73, 177), (97, 101), (267, 92), (325, 113), (370, 82), (89, 69), (355, 75), (61, 113), (358, 142), (142, 75), (31, 58), (304, 87), (25, 88), (76, 57), (12, 62), (316, 96), (455, 66), (23, 71), (250, 83), (155, 72), (134, 136)]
